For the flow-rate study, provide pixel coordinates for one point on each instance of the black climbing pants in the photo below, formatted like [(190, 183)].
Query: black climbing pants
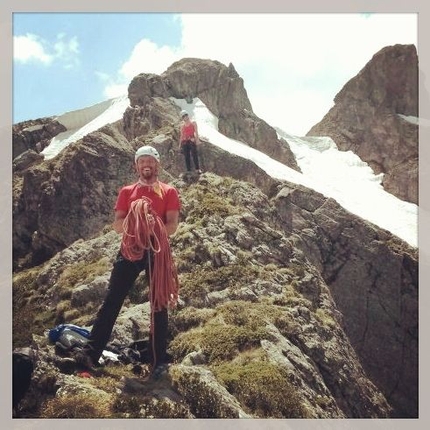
[(122, 278), (189, 149)]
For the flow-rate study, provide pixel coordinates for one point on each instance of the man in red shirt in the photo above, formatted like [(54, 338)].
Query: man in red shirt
[(188, 141), (164, 201)]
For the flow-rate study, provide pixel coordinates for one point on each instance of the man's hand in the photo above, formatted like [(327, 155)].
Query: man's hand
[(151, 221), (119, 220), (172, 221)]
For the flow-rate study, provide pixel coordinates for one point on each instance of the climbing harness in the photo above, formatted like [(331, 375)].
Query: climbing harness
[(144, 231)]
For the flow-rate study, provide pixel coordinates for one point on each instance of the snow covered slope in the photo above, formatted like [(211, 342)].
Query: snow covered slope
[(337, 174), (83, 121)]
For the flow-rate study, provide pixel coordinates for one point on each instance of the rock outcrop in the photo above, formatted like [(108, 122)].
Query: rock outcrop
[(34, 134), (222, 90), (361, 265), (251, 303), (371, 118), (52, 198)]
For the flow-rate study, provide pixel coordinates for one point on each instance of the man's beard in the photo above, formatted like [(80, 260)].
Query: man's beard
[(148, 173)]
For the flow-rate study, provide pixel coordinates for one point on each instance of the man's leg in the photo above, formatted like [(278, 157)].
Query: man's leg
[(123, 275), (195, 156), (158, 338), (187, 155)]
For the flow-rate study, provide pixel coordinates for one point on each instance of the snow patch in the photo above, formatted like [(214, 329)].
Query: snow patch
[(341, 175), (84, 121)]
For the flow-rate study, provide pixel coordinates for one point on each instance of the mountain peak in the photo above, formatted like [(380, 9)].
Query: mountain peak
[(370, 118)]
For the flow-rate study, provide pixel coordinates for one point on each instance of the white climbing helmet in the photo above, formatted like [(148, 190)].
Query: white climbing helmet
[(147, 150), (183, 113)]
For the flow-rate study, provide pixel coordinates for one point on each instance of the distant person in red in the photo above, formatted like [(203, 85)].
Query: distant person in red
[(188, 141)]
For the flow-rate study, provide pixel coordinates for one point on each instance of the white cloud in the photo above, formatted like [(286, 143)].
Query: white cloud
[(292, 64), (29, 48), (67, 50), (112, 89), (147, 57), (301, 43), (115, 90), (33, 49)]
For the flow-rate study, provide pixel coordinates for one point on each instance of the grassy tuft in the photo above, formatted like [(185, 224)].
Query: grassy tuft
[(82, 272), (325, 318), (133, 406), (235, 326), (196, 284), (262, 387), (203, 401), (27, 312), (190, 317), (82, 405)]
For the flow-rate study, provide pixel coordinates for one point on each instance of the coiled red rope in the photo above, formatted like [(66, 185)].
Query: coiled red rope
[(144, 231)]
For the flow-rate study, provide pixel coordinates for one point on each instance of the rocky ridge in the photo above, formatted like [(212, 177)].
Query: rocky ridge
[(278, 283), (274, 313), (370, 118)]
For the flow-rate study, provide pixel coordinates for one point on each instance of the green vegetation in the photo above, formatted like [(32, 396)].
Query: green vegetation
[(190, 317), (82, 272), (324, 317), (132, 406), (234, 327), (209, 204), (217, 341), (195, 285), (100, 399), (27, 299), (81, 405), (26, 309), (204, 402), (263, 388)]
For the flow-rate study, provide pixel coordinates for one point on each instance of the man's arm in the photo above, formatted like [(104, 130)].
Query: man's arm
[(172, 221), (118, 222)]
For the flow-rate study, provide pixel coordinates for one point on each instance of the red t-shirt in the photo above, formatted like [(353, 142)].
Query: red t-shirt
[(188, 131), (163, 197)]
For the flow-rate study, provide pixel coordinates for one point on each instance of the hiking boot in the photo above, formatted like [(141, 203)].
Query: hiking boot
[(66, 365), (82, 359), (61, 349), (159, 372)]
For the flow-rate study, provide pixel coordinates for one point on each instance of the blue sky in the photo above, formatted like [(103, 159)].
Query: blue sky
[(293, 65)]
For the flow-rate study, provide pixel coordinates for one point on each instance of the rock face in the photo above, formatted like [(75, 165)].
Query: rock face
[(361, 265), (370, 118), (51, 199), (34, 134), (250, 299), (282, 290), (222, 90), (96, 171)]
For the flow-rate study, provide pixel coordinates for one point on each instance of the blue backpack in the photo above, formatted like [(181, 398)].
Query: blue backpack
[(69, 335)]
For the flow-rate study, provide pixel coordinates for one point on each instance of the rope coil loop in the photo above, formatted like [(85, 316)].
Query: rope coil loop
[(143, 231)]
